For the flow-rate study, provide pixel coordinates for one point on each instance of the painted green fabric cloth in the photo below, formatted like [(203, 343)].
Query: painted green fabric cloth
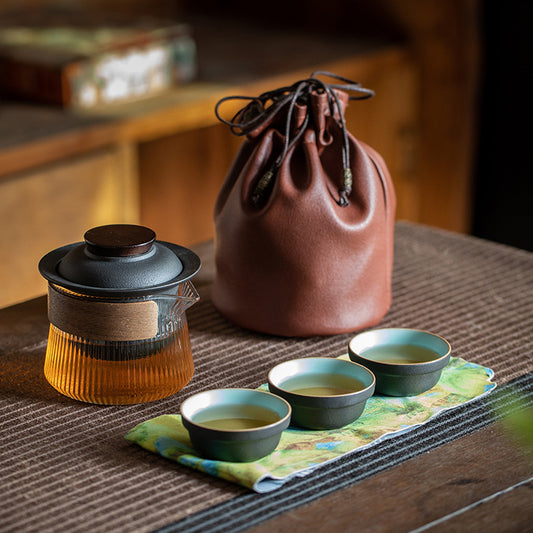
[(300, 451)]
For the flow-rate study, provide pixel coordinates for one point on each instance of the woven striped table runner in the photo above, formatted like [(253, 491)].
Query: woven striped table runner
[(66, 466)]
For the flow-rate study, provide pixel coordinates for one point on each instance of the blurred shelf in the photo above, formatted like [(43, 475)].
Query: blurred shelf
[(232, 60), (161, 161)]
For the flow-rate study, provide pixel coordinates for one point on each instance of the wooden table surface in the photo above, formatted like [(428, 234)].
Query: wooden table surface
[(479, 482)]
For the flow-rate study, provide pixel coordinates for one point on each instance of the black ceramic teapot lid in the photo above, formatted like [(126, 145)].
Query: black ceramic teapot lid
[(120, 260)]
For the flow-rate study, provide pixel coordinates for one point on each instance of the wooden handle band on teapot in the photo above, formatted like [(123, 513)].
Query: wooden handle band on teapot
[(97, 320)]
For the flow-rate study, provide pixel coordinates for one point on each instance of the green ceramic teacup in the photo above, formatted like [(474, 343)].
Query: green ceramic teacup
[(324, 393), (406, 362), (238, 425)]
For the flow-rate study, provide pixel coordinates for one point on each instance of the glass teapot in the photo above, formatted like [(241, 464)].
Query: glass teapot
[(116, 305)]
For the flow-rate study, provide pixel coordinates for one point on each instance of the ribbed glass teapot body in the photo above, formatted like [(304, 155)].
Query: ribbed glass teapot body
[(117, 372)]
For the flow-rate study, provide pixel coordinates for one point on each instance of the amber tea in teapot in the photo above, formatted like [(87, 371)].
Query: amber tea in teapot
[(116, 304)]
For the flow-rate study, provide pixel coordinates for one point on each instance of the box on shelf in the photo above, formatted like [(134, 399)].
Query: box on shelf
[(83, 67)]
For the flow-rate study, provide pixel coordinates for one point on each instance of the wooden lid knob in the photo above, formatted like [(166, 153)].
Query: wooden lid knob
[(119, 240)]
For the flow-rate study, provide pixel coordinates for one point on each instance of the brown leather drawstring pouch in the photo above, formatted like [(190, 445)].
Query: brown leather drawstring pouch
[(305, 218)]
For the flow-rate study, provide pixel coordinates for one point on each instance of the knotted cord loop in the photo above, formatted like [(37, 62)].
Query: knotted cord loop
[(264, 107)]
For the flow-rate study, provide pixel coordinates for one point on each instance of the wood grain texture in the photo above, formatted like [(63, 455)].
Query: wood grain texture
[(53, 206), (477, 292), (180, 177), (428, 488), (444, 37)]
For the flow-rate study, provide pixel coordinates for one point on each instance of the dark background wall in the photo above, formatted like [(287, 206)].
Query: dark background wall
[(503, 200)]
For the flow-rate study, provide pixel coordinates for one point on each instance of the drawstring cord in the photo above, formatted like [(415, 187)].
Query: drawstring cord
[(262, 108)]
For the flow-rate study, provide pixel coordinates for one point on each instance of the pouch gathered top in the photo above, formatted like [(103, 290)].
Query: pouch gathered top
[(305, 218)]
